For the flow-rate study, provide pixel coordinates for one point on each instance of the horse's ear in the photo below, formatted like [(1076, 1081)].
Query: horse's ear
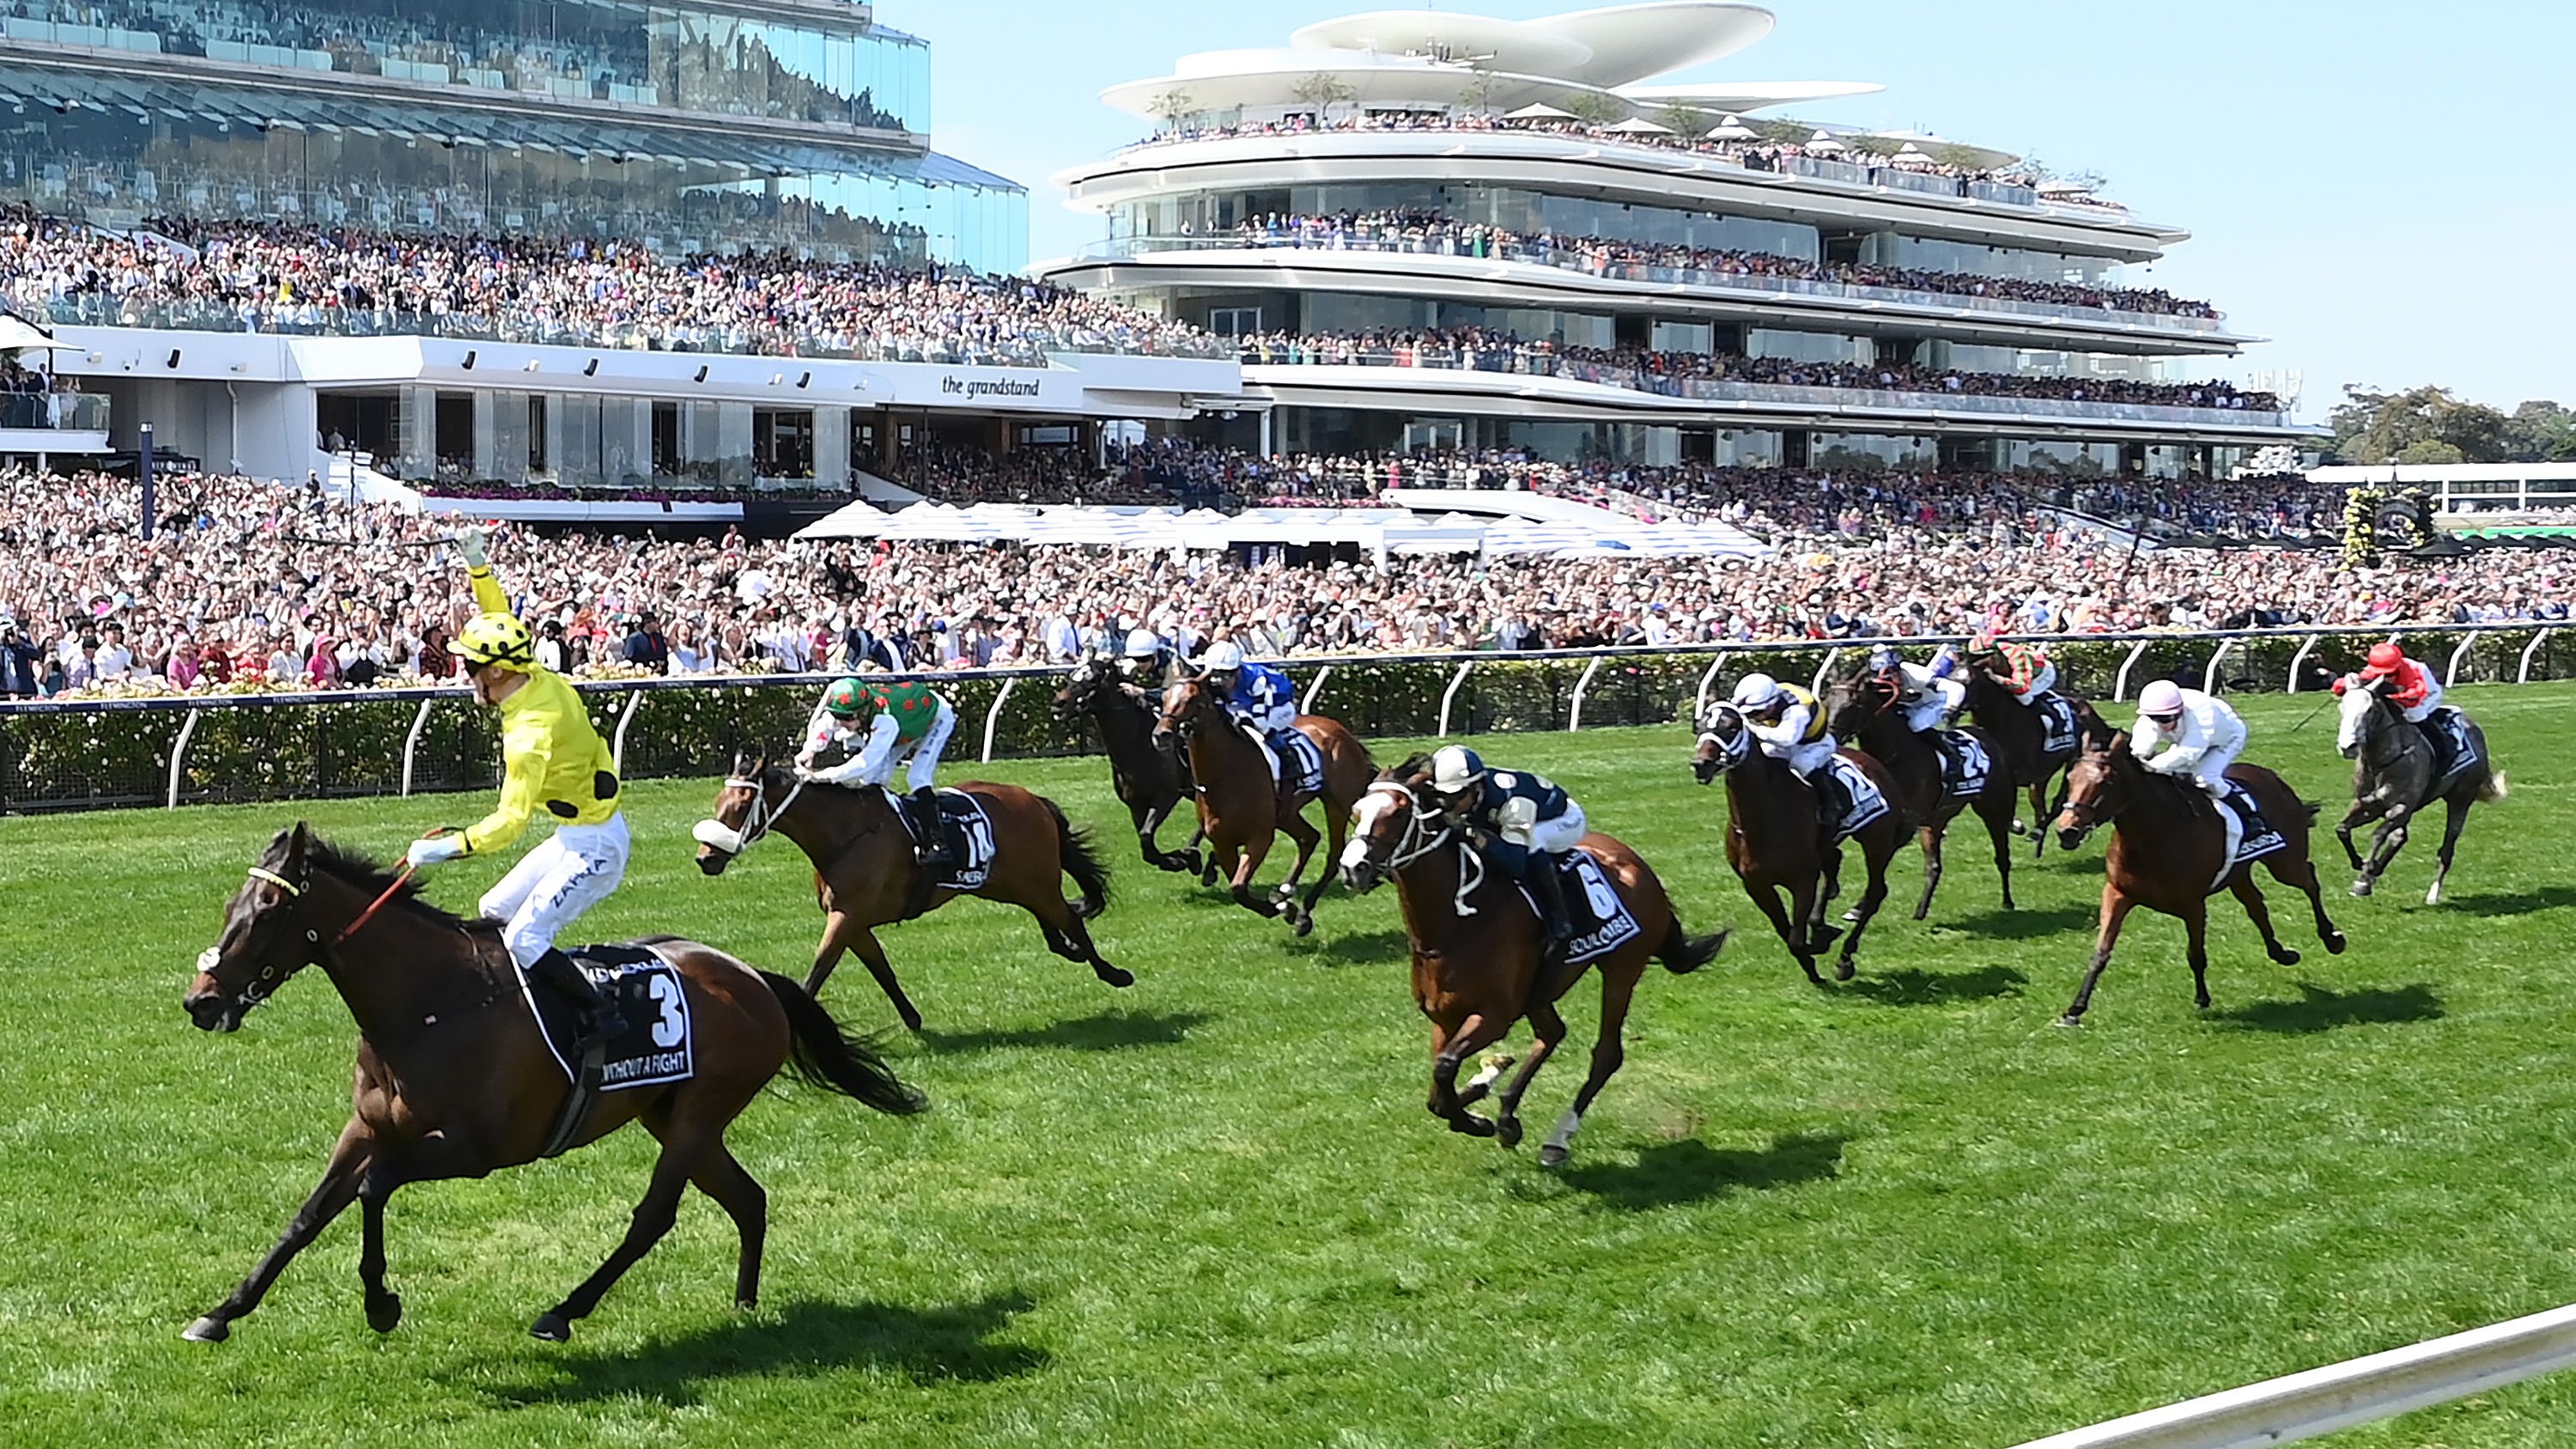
[(297, 840), (1414, 768)]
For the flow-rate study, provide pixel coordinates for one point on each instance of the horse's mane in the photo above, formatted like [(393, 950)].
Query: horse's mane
[(1416, 767), (354, 869)]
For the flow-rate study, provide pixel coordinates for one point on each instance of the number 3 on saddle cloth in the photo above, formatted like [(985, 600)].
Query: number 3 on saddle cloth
[(655, 1048)]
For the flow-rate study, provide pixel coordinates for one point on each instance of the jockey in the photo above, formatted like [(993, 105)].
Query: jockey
[(878, 726), (2415, 692), (552, 758), (1930, 699), (1790, 725), (1144, 659), (2022, 669), (1259, 699), (2187, 734), (1535, 822)]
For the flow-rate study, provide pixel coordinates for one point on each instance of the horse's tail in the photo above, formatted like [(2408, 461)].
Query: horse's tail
[(1081, 861), (821, 1053), (1682, 953), (2495, 787)]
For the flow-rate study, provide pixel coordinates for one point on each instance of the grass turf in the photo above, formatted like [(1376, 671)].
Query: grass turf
[(1210, 1209)]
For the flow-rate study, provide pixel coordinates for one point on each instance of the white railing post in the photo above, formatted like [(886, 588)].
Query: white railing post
[(1699, 702), (2523, 674), (1816, 686), (1583, 686), (993, 716), (2217, 657), (617, 747), (1451, 693), (2120, 684), (2298, 659), (179, 755), (1307, 705), (2451, 676), (411, 743)]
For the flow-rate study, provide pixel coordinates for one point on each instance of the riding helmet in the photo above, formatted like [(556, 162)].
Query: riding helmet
[(1455, 768), (846, 699), (498, 639)]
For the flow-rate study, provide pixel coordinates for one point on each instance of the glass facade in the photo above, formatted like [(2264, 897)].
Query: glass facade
[(811, 62), (119, 149)]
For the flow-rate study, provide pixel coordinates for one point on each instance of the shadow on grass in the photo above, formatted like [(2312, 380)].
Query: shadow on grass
[(2024, 924), (1911, 987), (1361, 948), (2320, 1009), (932, 1345), (1106, 1031), (2520, 903), (1692, 1171)]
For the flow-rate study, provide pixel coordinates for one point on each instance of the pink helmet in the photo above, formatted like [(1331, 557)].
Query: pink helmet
[(2164, 697)]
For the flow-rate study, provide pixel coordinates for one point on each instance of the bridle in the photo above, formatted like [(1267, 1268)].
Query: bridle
[(2087, 815), (264, 985), (757, 822), (1420, 839)]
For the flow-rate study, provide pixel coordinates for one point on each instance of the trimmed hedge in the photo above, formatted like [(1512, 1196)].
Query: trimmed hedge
[(74, 760)]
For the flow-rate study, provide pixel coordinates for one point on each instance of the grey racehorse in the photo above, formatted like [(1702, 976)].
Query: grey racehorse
[(2392, 779)]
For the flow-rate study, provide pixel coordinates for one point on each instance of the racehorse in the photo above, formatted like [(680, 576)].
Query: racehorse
[(2168, 851), (1862, 709), (454, 1078), (2391, 778), (1775, 843), (1477, 947), (1151, 781), (1241, 809), (2017, 731), (865, 876)]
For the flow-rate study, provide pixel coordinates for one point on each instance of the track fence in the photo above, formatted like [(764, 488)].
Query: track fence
[(207, 749)]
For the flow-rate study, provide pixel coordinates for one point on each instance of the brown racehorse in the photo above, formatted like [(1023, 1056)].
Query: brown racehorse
[(864, 875), (2167, 854), (1775, 843), (2019, 736), (1862, 709), (1241, 810), (455, 1080), (1151, 779), (1477, 948)]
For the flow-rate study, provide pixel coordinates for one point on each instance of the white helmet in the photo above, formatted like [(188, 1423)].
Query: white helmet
[(1221, 656), (2164, 697), (1455, 768), (1756, 690), (1143, 643)]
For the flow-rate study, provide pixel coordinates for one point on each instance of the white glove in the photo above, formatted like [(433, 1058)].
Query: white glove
[(435, 849), (469, 542)]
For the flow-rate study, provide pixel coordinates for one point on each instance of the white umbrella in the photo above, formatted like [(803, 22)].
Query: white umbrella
[(1911, 155), (1823, 144), (1734, 129), (2065, 188), (1538, 112), (17, 334), (1640, 126)]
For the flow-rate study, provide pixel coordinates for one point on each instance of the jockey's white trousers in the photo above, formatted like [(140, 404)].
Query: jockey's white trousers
[(1938, 706), (566, 874)]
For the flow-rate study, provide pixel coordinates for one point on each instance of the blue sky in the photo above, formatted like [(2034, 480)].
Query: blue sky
[(2376, 186)]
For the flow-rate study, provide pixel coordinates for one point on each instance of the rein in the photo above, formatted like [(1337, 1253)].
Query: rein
[(757, 824), (1418, 842)]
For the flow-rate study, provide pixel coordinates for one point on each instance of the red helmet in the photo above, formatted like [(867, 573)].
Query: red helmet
[(2386, 656)]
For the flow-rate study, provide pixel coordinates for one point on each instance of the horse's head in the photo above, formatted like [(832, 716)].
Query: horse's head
[(1857, 699), (748, 805), (1724, 741), (2359, 705), (1083, 684), (1393, 823), (1183, 702), (265, 938), (2094, 791)]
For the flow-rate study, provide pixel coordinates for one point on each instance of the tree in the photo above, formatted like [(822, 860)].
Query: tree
[(1478, 94), (1324, 90), (2540, 432), (1594, 108), (2429, 452), (2373, 428), (1685, 119), (1170, 106), (1957, 158)]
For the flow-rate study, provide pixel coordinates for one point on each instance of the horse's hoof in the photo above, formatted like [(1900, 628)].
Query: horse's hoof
[(1508, 1132), (1844, 970), (208, 1329), (2018, 828), (384, 1314), (553, 1328), (2335, 943), (2433, 897), (2361, 888), (1553, 1155), (1115, 975), (1471, 1125), (1854, 914), (745, 1305), (1303, 921), (2071, 1021), (2285, 957)]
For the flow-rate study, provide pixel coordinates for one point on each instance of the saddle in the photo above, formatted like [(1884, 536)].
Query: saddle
[(1966, 765), (963, 829), (1301, 762), (1601, 919), (2056, 723), (2447, 731), (2249, 835), (1863, 804), (655, 1048)]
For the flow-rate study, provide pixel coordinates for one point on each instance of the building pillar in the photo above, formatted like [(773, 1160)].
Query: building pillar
[(832, 448), (487, 436)]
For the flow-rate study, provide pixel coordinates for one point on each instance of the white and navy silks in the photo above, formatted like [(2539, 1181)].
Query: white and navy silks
[(1264, 703), (2199, 748), (1530, 817), (1929, 700), (875, 749)]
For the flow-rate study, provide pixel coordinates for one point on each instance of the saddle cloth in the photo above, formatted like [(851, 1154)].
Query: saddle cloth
[(2249, 835), (1965, 764), (967, 832), (1301, 761), (656, 1046), (2447, 731), (2056, 723), (1865, 804), (1602, 921)]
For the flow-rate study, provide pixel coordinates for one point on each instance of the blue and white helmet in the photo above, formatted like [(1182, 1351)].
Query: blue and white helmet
[(1456, 768), (1885, 657), (1754, 691)]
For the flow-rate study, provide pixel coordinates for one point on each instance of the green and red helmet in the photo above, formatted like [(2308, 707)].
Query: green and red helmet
[(849, 699)]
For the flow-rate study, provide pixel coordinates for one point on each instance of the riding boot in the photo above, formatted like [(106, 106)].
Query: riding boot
[(1548, 888), (932, 852), (599, 1016), (1830, 806)]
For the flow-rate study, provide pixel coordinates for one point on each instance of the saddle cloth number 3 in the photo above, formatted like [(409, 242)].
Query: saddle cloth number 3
[(668, 1027)]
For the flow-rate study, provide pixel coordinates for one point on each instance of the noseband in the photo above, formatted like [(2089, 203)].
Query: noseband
[(716, 835), (261, 987)]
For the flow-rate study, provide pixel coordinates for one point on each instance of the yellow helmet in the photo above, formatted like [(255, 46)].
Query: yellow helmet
[(497, 639)]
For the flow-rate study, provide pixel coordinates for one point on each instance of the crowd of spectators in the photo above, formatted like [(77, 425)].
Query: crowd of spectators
[(1426, 231), (268, 277), (251, 585), (1485, 349)]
